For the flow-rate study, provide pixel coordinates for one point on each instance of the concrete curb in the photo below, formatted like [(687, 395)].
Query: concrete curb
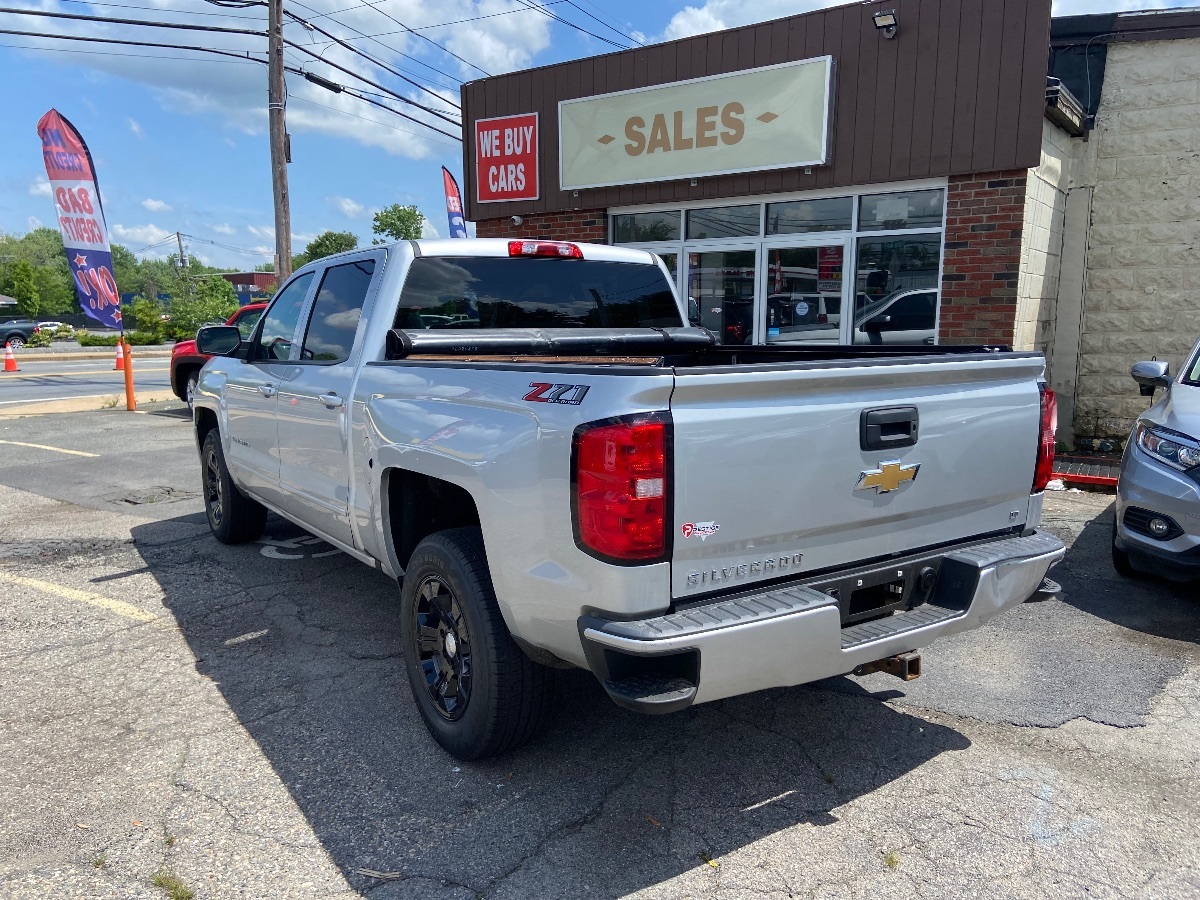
[(82, 404)]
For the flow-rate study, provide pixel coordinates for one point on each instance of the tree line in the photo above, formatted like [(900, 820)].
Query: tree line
[(169, 301)]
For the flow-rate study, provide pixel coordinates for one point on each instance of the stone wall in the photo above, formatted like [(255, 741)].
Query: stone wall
[(982, 258), (1142, 287), (1042, 241)]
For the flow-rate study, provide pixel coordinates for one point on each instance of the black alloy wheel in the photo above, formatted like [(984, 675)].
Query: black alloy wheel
[(443, 647), (233, 517)]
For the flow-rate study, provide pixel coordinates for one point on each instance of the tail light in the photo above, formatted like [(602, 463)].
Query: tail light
[(1044, 469), (621, 489), (556, 249)]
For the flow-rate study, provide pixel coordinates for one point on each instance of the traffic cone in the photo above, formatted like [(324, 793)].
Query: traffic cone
[(120, 364), (10, 360)]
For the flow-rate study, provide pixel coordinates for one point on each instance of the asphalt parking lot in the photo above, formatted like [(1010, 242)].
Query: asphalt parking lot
[(236, 718)]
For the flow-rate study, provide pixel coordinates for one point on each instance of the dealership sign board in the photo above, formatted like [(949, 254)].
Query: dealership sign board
[(506, 158), (775, 117)]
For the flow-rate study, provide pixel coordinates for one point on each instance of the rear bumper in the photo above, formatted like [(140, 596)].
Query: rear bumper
[(793, 634)]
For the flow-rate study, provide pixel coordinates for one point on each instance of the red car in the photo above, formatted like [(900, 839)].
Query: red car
[(186, 362)]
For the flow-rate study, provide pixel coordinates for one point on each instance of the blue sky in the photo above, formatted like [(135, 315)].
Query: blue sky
[(180, 143)]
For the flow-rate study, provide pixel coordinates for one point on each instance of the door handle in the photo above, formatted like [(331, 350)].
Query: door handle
[(331, 400), (267, 390)]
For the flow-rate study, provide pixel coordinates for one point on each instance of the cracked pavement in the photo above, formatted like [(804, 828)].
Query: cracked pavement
[(256, 736)]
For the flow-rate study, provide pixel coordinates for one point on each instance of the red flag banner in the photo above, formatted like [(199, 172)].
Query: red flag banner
[(80, 217)]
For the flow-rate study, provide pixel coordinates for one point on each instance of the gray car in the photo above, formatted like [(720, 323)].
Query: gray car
[(1157, 526)]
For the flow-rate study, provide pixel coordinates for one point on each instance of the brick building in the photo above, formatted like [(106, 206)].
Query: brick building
[(885, 172)]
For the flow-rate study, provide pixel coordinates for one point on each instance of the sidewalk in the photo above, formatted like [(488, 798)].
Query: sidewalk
[(72, 350)]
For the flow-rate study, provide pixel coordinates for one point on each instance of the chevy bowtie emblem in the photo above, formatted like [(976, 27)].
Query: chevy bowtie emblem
[(888, 477)]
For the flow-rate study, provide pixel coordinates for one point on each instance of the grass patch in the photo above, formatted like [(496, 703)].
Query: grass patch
[(891, 859), (110, 402), (172, 885), (99, 861), (168, 839)]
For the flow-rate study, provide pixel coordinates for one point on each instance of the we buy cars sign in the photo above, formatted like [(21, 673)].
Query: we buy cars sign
[(506, 158)]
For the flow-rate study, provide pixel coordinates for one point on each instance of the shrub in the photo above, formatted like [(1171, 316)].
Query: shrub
[(40, 338), (63, 333), (135, 338)]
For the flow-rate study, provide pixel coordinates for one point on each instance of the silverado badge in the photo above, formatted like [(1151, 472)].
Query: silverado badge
[(888, 477)]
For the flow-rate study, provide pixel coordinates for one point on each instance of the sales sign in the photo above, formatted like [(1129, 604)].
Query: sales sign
[(80, 218), (506, 158)]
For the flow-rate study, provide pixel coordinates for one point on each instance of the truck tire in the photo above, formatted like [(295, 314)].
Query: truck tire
[(189, 389), (478, 693), (233, 517)]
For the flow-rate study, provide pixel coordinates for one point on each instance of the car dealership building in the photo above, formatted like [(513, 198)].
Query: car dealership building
[(908, 171)]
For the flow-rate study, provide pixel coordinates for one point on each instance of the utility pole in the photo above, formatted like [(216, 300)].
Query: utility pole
[(279, 154), (182, 258)]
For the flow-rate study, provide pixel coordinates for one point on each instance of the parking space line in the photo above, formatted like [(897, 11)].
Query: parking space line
[(55, 449), (119, 607)]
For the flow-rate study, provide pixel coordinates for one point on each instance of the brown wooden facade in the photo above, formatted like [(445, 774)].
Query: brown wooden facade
[(960, 89)]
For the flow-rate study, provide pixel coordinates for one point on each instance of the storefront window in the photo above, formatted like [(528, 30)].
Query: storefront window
[(653, 226), (723, 222), (907, 209), (721, 294), (896, 290), (807, 216)]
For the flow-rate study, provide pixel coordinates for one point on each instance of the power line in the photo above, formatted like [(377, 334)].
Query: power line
[(241, 61), (558, 18), (243, 55), (627, 37), (380, 63), (108, 20), (426, 38), (506, 12), (374, 84), (159, 9), (346, 112)]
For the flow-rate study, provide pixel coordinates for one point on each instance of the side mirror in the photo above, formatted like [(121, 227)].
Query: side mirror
[(218, 340), (1151, 375), (877, 323)]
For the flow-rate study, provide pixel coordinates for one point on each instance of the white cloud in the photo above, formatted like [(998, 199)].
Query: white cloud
[(429, 230), (156, 206), (351, 209), (33, 222), (223, 229), (141, 235), (135, 127), (718, 14), (40, 187), (262, 232)]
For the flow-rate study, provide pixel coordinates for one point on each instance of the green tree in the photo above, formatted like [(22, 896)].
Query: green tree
[(212, 299), (325, 244), (22, 287), (131, 279), (397, 223), (148, 317), (56, 290)]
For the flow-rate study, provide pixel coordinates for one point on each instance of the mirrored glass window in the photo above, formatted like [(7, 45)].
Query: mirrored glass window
[(905, 209), (652, 226), (808, 216), (723, 222)]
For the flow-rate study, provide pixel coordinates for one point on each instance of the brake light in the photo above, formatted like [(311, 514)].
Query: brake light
[(621, 489), (1044, 469), (556, 249)]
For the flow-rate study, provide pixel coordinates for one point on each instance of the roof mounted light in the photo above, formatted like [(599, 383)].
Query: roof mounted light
[(887, 22), (554, 249)]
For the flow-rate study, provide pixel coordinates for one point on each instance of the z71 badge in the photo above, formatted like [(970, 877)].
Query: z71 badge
[(571, 394)]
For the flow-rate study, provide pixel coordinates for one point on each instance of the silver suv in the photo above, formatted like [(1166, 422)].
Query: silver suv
[(1157, 525)]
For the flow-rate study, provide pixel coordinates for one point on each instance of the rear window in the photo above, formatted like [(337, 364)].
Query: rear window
[(501, 292)]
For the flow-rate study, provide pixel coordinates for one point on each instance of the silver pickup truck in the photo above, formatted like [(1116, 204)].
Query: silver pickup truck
[(560, 471)]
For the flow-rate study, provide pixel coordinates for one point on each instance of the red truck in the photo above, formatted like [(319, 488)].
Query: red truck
[(186, 361)]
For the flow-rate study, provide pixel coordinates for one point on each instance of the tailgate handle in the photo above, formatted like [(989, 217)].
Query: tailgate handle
[(886, 429)]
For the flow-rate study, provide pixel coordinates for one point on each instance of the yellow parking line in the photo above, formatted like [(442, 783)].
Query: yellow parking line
[(127, 610), (55, 449)]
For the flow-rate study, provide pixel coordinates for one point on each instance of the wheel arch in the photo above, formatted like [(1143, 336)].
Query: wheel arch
[(416, 505)]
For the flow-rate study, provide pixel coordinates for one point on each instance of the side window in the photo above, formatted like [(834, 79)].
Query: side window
[(246, 321), (279, 324), (336, 311), (917, 311)]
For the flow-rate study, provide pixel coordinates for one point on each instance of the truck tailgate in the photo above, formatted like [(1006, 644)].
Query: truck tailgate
[(772, 478)]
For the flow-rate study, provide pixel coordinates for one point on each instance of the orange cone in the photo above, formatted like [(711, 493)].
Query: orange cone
[(10, 360), (120, 364)]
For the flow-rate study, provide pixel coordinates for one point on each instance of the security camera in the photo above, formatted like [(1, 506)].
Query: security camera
[(517, 220)]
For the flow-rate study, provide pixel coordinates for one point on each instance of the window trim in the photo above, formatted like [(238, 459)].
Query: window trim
[(252, 356), (311, 303)]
